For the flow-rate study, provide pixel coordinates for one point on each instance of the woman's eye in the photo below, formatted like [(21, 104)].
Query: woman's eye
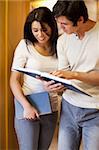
[(44, 30), (35, 30)]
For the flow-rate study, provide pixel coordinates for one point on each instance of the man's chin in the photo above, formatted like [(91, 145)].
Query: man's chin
[(68, 32)]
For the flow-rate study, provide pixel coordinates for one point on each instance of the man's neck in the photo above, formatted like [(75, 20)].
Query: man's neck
[(85, 27)]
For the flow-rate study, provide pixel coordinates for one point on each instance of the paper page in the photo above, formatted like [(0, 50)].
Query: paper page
[(28, 70), (52, 77)]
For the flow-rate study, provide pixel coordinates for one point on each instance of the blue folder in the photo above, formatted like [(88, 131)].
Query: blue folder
[(40, 101)]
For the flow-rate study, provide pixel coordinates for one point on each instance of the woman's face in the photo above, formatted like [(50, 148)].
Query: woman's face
[(41, 32)]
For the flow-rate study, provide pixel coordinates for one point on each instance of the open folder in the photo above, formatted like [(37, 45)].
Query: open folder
[(47, 77), (40, 101)]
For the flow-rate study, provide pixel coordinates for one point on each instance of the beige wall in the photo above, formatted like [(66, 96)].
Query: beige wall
[(12, 17)]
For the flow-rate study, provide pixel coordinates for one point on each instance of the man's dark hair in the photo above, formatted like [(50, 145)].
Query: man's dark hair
[(72, 9), (42, 15)]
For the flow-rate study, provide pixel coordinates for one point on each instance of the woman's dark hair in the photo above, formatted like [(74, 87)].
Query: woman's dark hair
[(72, 9), (42, 15)]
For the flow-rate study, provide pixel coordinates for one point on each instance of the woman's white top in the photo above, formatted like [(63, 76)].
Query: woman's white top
[(29, 57)]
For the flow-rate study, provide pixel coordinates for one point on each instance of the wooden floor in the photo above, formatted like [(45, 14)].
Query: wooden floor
[(54, 141)]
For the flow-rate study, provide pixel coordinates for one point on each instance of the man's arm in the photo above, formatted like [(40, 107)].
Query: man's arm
[(91, 77)]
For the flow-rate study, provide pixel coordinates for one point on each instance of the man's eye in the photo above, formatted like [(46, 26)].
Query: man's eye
[(64, 24)]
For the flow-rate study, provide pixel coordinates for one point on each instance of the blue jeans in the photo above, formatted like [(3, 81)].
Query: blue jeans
[(76, 124), (36, 135)]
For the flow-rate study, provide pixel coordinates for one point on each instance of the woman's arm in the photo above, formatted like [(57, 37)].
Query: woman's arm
[(15, 83)]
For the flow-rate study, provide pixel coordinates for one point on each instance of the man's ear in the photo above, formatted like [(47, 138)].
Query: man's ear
[(80, 20)]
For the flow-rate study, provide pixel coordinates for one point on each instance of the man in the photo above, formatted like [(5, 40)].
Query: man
[(78, 54)]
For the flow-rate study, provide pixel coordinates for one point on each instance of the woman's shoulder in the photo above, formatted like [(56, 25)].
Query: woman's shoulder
[(22, 42), (21, 47)]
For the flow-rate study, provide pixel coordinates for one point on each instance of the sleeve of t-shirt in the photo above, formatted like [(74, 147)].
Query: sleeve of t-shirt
[(62, 54), (20, 55)]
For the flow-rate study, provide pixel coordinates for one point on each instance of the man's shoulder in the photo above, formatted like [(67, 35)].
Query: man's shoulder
[(63, 37), (96, 27)]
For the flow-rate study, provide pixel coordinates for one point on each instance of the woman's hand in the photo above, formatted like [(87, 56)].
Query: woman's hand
[(51, 86), (30, 113)]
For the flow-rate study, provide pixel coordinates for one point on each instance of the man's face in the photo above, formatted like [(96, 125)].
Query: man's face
[(66, 25)]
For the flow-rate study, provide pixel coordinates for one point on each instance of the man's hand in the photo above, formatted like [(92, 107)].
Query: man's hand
[(64, 74)]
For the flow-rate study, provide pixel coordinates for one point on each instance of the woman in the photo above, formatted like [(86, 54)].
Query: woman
[(36, 51)]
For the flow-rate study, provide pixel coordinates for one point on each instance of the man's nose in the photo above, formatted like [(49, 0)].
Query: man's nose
[(62, 25)]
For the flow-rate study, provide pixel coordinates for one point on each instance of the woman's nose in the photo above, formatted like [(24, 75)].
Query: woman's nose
[(40, 33)]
